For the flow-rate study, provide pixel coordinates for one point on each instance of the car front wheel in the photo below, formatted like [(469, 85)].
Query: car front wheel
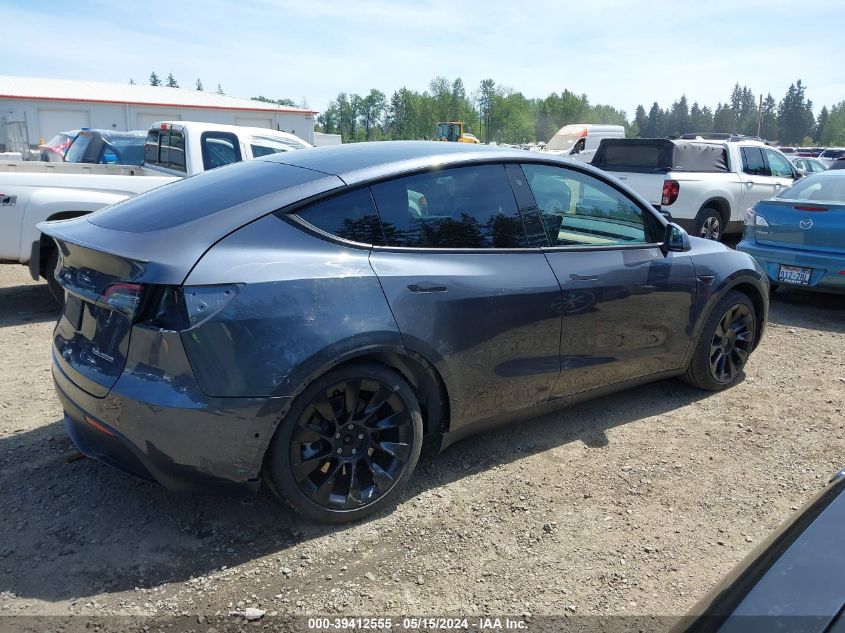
[(724, 345), (348, 445)]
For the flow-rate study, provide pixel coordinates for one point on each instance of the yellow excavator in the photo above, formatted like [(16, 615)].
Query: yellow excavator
[(453, 131)]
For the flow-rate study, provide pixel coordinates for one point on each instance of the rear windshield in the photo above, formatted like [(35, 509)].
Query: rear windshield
[(819, 188), (200, 196)]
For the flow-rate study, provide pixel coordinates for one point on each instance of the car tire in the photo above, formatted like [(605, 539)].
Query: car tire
[(49, 274), (724, 345), (709, 224), (348, 445)]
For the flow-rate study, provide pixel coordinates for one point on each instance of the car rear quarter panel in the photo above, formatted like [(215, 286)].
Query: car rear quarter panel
[(305, 305)]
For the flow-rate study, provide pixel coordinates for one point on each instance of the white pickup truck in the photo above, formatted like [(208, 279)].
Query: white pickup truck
[(705, 186), (31, 192)]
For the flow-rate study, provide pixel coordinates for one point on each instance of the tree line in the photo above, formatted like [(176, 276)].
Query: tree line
[(497, 113)]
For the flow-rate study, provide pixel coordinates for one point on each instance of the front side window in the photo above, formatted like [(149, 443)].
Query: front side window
[(778, 165), (463, 207), (580, 210), (350, 216)]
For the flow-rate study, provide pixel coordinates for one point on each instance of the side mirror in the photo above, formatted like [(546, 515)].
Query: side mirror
[(675, 239)]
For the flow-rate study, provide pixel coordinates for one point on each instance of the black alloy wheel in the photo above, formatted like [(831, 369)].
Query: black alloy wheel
[(349, 446), (724, 345), (731, 344)]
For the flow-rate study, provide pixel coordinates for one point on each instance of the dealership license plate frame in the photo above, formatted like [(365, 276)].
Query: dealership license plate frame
[(795, 275)]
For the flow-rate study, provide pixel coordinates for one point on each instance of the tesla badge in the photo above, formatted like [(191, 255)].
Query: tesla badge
[(806, 223)]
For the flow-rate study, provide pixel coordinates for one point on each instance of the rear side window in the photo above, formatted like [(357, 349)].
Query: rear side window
[(753, 162), (200, 196), (351, 216), (219, 149), (832, 153), (464, 207)]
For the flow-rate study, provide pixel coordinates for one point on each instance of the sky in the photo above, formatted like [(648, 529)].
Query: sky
[(620, 53)]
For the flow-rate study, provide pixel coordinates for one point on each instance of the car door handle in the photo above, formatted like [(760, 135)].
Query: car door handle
[(426, 288), (778, 185), (749, 184), (575, 277)]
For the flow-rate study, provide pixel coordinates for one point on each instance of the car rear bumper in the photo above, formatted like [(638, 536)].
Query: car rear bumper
[(827, 267), (162, 429)]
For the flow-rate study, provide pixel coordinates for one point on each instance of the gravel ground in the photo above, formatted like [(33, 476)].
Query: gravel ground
[(636, 503)]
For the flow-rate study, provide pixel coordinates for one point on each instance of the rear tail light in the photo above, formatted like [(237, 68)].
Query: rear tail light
[(124, 297), (754, 219), (671, 188)]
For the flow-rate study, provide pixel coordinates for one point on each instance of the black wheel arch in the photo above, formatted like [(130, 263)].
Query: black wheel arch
[(425, 380), (750, 286), (719, 204)]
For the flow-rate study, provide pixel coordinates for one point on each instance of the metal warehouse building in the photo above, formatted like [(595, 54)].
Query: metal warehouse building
[(36, 109)]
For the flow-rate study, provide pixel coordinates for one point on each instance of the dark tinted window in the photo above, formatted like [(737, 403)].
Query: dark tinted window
[(464, 207), (350, 216), (151, 147), (832, 153), (200, 196), (218, 149), (753, 163), (580, 210)]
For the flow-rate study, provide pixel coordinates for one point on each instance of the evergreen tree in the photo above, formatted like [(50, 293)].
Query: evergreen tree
[(171, 81), (220, 90), (131, 81), (154, 80), (795, 115), (199, 84), (641, 120)]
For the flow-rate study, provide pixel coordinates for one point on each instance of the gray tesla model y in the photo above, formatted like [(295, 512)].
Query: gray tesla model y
[(308, 318)]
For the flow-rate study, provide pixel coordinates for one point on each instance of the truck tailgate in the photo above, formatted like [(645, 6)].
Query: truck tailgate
[(649, 186)]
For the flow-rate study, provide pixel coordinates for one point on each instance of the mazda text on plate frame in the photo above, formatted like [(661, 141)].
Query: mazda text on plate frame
[(308, 318)]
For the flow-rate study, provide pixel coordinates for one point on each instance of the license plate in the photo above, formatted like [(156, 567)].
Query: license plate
[(73, 310), (794, 275)]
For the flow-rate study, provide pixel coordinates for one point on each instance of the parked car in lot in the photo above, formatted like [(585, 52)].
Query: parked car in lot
[(798, 237), (705, 185), (839, 163), (34, 191), (831, 154), (791, 582), (807, 166), (53, 151), (107, 147), (310, 316)]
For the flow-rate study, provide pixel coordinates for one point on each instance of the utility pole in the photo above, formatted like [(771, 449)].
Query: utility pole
[(760, 115)]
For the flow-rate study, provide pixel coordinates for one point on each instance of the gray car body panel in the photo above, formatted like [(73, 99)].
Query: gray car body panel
[(303, 308)]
